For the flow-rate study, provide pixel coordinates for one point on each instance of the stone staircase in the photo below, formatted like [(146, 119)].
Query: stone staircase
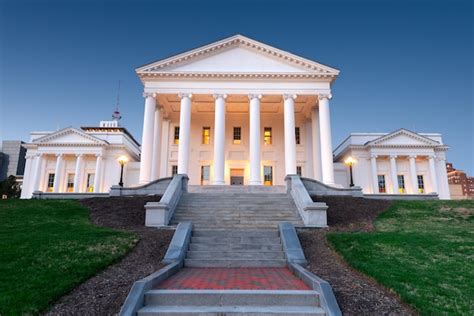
[(235, 248), (236, 210), (231, 302)]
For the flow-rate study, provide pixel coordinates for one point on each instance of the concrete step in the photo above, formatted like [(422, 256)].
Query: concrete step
[(235, 247), (236, 240), (216, 225), (193, 254), (231, 298), (232, 233), (230, 310), (234, 263)]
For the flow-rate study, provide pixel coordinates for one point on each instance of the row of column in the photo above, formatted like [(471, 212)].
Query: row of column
[(38, 166), (151, 138), (394, 173)]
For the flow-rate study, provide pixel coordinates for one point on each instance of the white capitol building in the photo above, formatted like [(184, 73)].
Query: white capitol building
[(235, 112)]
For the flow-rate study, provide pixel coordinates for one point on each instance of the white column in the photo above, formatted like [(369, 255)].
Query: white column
[(147, 138), (290, 141), (219, 139), (254, 149), (316, 138), (394, 174), (98, 173), (442, 178), (326, 143), (433, 175), (38, 172), (184, 133), (27, 178), (413, 177), (155, 165), (78, 173), (57, 173), (375, 179)]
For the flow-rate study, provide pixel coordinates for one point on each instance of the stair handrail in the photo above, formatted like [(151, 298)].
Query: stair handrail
[(312, 213), (160, 213)]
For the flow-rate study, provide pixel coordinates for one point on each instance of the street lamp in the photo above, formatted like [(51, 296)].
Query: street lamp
[(350, 162), (122, 160)]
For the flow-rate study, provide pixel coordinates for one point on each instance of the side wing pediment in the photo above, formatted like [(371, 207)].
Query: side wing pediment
[(70, 135)]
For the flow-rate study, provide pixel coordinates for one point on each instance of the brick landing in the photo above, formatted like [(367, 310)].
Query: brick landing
[(233, 279)]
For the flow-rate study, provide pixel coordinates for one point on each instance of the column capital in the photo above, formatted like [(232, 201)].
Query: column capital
[(185, 95), (393, 156), (322, 96), (374, 156), (431, 156), (289, 96), (440, 159), (98, 155), (219, 95), (59, 155), (149, 94), (79, 155), (412, 156), (253, 96)]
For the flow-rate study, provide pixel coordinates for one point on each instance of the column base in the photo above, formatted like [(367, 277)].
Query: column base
[(218, 182), (255, 183)]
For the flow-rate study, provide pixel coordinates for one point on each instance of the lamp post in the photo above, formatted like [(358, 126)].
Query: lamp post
[(122, 161), (350, 162)]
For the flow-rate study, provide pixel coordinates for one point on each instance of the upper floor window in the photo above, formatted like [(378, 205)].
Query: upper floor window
[(267, 135), (50, 182), (299, 170), (176, 135), (421, 183), (297, 135), (206, 135), (381, 181), (401, 183), (237, 135)]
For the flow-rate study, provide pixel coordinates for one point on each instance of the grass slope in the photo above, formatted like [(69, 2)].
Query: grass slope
[(423, 250), (49, 247)]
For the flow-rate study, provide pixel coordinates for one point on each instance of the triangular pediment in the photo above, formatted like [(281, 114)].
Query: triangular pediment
[(69, 135), (237, 55), (403, 137)]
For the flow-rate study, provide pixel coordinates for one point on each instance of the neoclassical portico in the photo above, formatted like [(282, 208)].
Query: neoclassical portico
[(248, 86)]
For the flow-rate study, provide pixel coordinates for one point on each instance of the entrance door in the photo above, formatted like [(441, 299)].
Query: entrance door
[(236, 176)]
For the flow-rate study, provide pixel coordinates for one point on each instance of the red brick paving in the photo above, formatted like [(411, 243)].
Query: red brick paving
[(233, 279)]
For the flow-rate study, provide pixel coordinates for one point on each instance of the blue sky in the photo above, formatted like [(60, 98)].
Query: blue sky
[(403, 63)]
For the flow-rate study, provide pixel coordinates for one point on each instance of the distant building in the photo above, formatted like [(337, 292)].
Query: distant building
[(12, 159), (461, 186)]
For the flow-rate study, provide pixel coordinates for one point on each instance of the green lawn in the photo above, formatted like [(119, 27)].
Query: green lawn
[(423, 250), (49, 247)]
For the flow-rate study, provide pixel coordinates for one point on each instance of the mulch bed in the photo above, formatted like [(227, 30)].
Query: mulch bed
[(105, 293), (356, 293)]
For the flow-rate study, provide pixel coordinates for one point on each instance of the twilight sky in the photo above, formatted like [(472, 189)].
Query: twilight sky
[(403, 63)]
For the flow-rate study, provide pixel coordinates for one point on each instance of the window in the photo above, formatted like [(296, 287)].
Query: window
[(176, 135), (297, 135), (401, 183), (50, 182), (205, 174), (267, 135), (267, 175), (70, 182), (174, 170), (298, 170), (90, 182), (206, 135), (381, 180), (421, 183), (237, 135)]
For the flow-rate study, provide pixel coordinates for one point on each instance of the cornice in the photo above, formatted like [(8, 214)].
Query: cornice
[(230, 75)]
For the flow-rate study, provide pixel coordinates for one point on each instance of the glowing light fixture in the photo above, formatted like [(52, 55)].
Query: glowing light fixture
[(350, 162), (122, 160)]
